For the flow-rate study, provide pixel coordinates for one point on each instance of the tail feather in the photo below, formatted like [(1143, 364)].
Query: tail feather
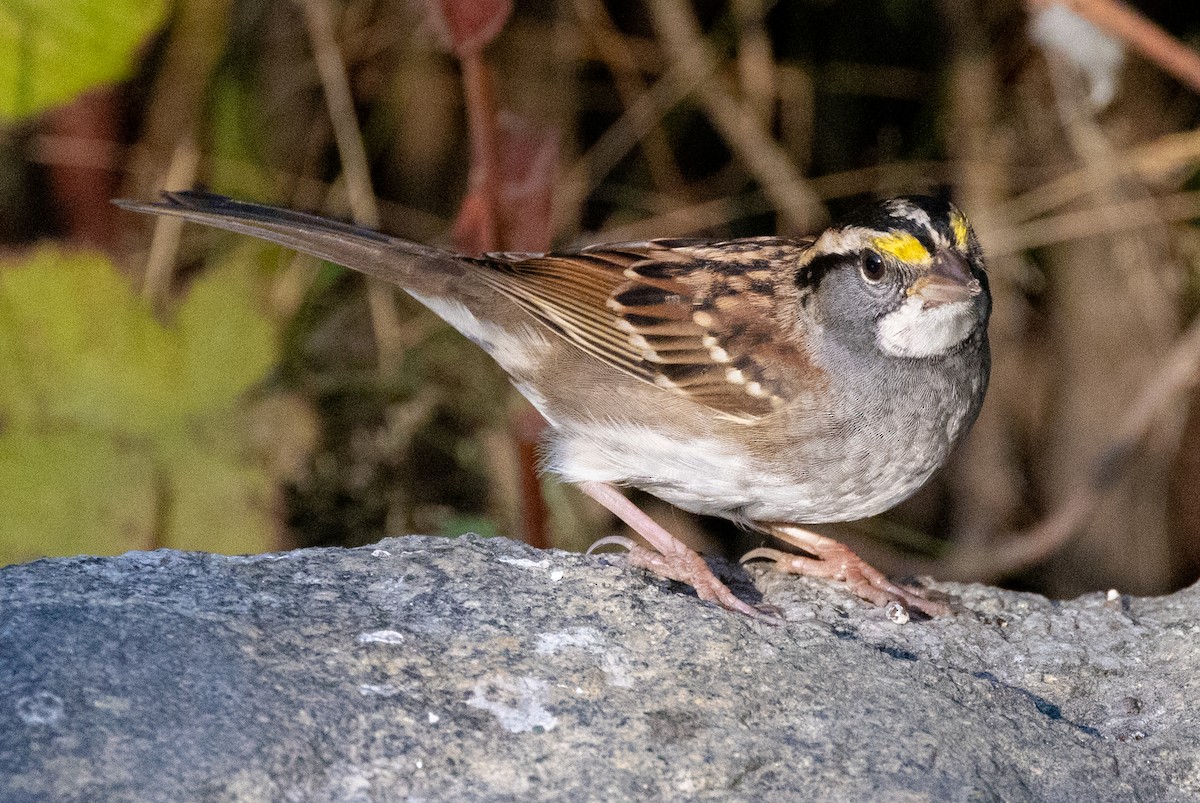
[(465, 292), (407, 264)]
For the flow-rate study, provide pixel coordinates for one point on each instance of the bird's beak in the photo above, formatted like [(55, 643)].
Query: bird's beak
[(948, 280)]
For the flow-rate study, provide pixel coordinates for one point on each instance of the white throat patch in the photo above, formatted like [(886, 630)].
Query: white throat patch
[(916, 331)]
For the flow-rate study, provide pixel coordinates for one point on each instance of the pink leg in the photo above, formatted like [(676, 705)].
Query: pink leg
[(670, 557), (835, 561)]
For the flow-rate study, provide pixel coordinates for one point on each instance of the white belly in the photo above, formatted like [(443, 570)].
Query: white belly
[(713, 477)]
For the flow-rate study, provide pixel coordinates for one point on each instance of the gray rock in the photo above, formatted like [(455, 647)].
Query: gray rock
[(472, 669)]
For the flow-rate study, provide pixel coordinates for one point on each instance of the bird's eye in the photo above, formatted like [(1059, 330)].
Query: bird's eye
[(872, 267)]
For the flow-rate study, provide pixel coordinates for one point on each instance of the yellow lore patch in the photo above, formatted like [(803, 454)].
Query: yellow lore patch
[(902, 246), (958, 224)]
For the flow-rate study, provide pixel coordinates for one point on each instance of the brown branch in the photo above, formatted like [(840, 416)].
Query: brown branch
[(766, 160), (340, 102), (689, 218), (1094, 222), (755, 60), (686, 219), (619, 139), (1004, 555), (1151, 162), (353, 154), (614, 50), (164, 243)]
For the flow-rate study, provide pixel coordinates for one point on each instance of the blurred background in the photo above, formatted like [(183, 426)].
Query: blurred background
[(173, 386)]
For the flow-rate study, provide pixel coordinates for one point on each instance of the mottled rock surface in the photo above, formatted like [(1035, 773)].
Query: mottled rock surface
[(472, 669)]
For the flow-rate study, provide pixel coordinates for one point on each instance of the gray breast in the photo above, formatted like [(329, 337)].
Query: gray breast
[(891, 427), (890, 430)]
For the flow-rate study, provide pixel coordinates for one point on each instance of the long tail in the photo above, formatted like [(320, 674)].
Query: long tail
[(415, 267)]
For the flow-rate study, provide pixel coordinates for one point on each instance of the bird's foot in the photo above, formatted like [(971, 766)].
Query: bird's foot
[(669, 557), (688, 568), (835, 561)]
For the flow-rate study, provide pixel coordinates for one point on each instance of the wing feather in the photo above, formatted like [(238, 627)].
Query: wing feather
[(659, 312)]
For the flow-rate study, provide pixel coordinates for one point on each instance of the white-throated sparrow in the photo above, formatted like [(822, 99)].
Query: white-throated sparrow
[(769, 381)]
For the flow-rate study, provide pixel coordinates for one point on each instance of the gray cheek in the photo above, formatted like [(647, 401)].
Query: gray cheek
[(844, 315)]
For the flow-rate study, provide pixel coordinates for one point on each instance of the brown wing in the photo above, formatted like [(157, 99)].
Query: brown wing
[(700, 319)]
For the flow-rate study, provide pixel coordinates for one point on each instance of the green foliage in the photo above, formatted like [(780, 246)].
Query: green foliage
[(118, 432), (455, 526), (52, 50), (236, 126)]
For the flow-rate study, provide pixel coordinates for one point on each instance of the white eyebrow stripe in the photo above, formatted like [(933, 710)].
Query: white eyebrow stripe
[(916, 214), (849, 240)]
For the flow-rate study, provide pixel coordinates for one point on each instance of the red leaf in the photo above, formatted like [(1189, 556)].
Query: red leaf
[(475, 227), (466, 26), (526, 173), (80, 145)]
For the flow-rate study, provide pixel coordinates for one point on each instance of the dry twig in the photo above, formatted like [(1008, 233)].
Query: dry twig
[(1097, 221), (1006, 554), (353, 155), (164, 243), (640, 117), (613, 48), (796, 201), (1151, 162)]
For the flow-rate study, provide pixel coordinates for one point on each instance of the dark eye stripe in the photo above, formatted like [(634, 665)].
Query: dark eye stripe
[(809, 277)]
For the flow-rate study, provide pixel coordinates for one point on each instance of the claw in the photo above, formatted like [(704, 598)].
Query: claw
[(763, 553), (836, 561), (669, 557), (613, 540)]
